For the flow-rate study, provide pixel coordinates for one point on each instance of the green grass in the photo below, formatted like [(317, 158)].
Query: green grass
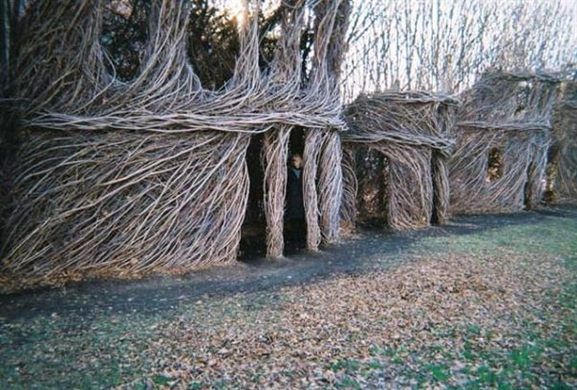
[(347, 365), (504, 368), (552, 235), (28, 347)]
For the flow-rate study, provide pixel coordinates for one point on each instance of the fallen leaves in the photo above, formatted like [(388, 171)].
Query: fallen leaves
[(446, 317), (305, 339)]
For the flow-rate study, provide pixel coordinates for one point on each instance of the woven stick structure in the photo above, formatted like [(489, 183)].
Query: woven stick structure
[(412, 133), (503, 135), (562, 180), (151, 174)]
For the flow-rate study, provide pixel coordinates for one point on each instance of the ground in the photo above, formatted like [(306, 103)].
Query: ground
[(487, 301)]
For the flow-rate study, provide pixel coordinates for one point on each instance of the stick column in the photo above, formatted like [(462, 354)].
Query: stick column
[(275, 179)]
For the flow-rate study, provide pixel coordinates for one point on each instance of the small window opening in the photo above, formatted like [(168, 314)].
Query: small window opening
[(213, 43), (495, 164), (124, 35)]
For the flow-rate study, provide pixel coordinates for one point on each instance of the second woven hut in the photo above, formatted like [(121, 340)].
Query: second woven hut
[(398, 145)]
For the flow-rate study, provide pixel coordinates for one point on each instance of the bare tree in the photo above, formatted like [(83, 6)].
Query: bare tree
[(443, 46)]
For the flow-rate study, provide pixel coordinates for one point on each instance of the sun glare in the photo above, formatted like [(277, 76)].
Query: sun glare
[(237, 9)]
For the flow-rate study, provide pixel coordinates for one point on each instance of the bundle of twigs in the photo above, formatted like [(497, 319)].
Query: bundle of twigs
[(350, 190), (4, 180), (413, 131), (151, 174), (562, 180), (506, 115)]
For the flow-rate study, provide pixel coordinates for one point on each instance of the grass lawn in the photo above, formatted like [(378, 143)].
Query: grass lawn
[(493, 308)]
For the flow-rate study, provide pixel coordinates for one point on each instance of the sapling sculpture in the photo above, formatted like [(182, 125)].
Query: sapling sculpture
[(150, 174), (562, 180), (503, 136), (413, 131)]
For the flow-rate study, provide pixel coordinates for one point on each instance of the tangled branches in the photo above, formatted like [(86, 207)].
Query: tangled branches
[(150, 174), (413, 131), (563, 162), (503, 136), (522, 155)]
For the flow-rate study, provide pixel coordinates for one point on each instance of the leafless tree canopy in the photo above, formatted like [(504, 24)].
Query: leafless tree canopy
[(439, 45)]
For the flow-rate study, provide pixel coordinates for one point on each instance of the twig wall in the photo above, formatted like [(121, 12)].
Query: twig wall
[(563, 156), (413, 130), (503, 135), (150, 174)]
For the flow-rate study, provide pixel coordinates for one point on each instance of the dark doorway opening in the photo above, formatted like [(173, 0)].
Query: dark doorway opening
[(253, 232), (295, 228), (495, 160), (372, 168), (436, 218)]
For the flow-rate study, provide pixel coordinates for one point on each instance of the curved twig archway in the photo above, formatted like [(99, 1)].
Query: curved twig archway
[(413, 130)]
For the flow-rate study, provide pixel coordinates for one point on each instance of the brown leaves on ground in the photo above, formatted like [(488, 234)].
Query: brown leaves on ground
[(307, 335)]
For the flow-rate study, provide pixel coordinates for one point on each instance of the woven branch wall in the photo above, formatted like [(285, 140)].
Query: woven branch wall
[(150, 175), (503, 135), (413, 132), (4, 180), (563, 155)]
